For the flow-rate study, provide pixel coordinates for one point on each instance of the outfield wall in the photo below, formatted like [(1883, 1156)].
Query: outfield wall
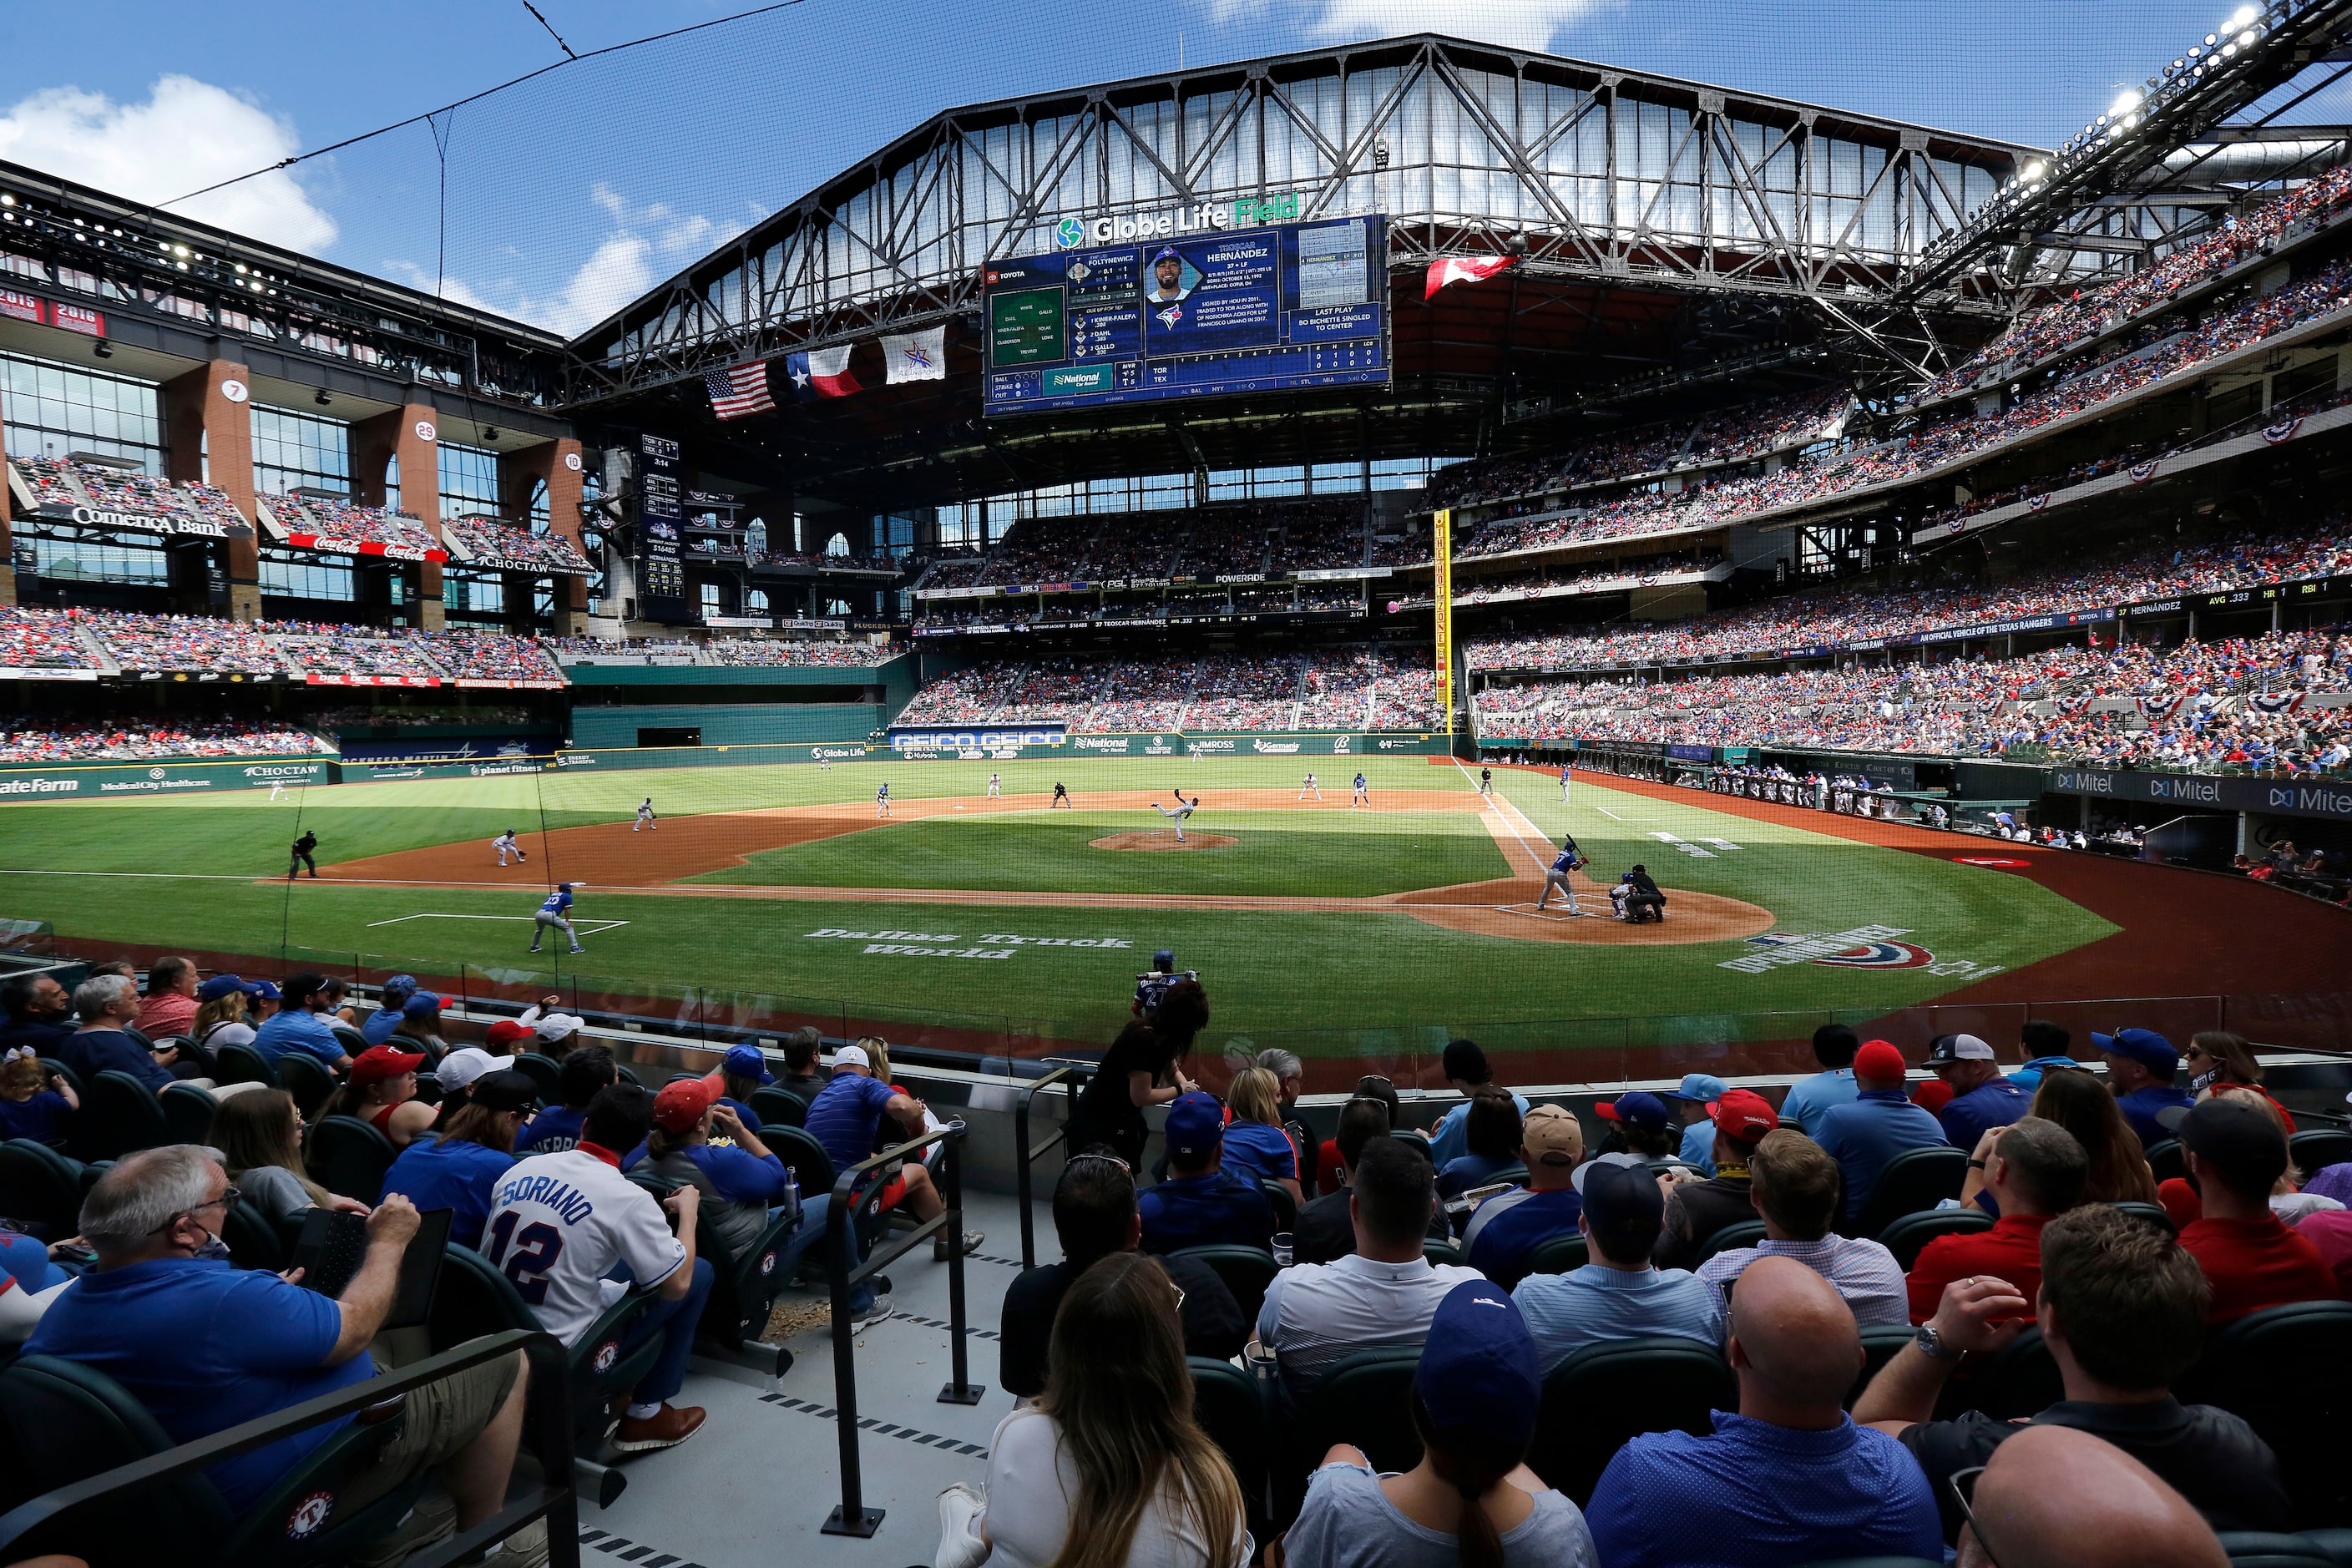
[(96, 781)]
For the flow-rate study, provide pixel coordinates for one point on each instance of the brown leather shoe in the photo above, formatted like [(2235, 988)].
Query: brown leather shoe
[(665, 1428)]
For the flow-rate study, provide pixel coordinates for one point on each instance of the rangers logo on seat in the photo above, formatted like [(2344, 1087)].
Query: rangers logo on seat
[(309, 1515), (606, 1354)]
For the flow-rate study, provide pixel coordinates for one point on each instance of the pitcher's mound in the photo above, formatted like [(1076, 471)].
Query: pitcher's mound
[(1166, 841)]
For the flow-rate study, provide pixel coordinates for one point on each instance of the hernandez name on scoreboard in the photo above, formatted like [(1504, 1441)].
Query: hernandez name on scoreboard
[(1250, 309)]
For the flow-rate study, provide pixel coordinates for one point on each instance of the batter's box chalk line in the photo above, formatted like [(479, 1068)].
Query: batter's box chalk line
[(1533, 913), (585, 928)]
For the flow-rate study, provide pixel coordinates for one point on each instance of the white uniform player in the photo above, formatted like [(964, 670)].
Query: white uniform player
[(996, 787), (645, 815), (1363, 794), (1183, 809), (1569, 859), (277, 790), (1310, 788), (505, 844)]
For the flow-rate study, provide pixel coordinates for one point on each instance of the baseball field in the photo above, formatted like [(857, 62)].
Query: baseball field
[(1351, 932)]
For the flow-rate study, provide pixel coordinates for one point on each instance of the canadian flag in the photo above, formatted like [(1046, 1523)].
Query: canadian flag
[(1464, 269)]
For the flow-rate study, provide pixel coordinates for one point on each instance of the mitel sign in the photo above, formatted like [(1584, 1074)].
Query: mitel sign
[(1200, 218)]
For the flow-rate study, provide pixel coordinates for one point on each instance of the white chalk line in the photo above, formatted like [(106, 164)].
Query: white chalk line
[(585, 928)]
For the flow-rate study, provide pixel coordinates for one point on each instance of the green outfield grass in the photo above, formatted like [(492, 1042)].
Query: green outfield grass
[(182, 872)]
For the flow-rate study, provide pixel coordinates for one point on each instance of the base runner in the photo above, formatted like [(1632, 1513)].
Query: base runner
[(1310, 788), (1363, 794), (1569, 859), (505, 844), (557, 912), (1184, 809)]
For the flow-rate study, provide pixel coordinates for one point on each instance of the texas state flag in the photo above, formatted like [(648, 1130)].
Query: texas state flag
[(1463, 270), (821, 373)]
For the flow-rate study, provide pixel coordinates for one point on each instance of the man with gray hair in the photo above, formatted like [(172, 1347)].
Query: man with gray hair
[(106, 1003), (206, 1347), (1290, 1077)]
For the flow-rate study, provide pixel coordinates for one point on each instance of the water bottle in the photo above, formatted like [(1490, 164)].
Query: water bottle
[(792, 1195)]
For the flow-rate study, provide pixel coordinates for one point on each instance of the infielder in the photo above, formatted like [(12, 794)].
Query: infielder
[(1184, 809), (1061, 797), (1569, 859), (645, 815), (996, 787), (505, 844), (882, 800), (1363, 794), (557, 912), (1310, 788)]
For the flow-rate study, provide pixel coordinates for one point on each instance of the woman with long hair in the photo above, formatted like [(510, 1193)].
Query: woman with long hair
[(260, 1135), (1493, 1140), (1471, 1502), (224, 1017), (1256, 1148), (382, 1092), (2082, 1105), (1108, 1469), (1140, 1069)]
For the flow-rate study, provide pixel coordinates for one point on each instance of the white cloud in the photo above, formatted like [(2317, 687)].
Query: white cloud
[(640, 246), (187, 134), (1511, 24)]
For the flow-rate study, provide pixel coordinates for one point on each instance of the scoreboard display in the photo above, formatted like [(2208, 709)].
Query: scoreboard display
[(1277, 308)]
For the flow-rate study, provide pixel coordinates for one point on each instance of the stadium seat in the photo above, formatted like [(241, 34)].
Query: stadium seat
[(1285, 1207), (546, 1072), (472, 1299), (1606, 1394), (70, 1422), (50, 1065), (812, 1167), (1514, 1175), (2165, 1161), (781, 1106), (40, 1189), (2152, 1213), (2334, 1543), (2285, 1371), (1905, 1235), (348, 1158), (2318, 1148), (742, 1287), (1246, 1271), (1435, 1252), (1231, 1408), (1879, 1346), (1913, 1181), (2021, 1378), (2271, 1549), (118, 1115), (1731, 1238), (242, 1064), (253, 1242), (629, 1075), (1561, 1255), (187, 1112), (307, 1079), (1363, 1400), (350, 1039)]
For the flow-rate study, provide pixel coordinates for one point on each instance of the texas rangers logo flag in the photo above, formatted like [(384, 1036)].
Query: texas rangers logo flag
[(739, 391), (821, 373), (1464, 269), (916, 356)]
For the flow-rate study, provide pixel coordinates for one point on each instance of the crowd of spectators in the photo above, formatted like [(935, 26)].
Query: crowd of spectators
[(500, 543), (1842, 618), (322, 648), (490, 655), (43, 640), (30, 740), (341, 520), (1351, 689), (2234, 703), (64, 482), (1613, 577), (192, 644), (792, 652)]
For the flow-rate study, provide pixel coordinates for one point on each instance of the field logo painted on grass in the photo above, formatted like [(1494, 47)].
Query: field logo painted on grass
[(1864, 947), (916, 943)]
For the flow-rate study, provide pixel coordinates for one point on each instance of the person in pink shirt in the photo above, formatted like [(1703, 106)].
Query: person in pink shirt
[(171, 1004)]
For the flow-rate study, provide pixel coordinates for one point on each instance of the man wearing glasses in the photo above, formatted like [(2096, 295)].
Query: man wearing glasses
[(204, 1346)]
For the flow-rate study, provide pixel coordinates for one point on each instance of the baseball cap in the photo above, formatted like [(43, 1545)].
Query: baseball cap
[(218, 986), (466, 1064), (1196, 1123), (1552, 1136), (1477, 1367), (398, 986), (1696, 1086), (304, 983), (262, 990), (1636, 1110), (1622, 1161), (745, 1061), (2240, 1141), (2146, 1046), (558, 1026), (850, 1056), (1743, 1114), (1878, 1059), (680, 1105), (503, 1033), (379, 1062), (1946, 1049), (505, 1089), (1622, 1200), (424, 1004)]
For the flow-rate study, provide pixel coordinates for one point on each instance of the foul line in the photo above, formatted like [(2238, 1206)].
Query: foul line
[(585, 928)]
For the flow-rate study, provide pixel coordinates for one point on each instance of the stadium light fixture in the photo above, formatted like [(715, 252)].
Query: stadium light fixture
[(2244, 14), (322, 400)]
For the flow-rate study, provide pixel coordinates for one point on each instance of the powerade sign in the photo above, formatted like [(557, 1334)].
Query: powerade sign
[(1001, 739), (2331, 800)]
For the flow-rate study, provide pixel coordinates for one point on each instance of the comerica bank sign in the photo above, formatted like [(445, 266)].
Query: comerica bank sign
[(1200, 218)]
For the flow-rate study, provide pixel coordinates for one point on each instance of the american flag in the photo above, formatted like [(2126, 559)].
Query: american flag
[(740, 392)]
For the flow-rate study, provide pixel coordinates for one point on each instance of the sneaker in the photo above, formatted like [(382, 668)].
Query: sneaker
[(881, 1310), (665, 1428), (579, 949), (971, 1240), (526, 1548)]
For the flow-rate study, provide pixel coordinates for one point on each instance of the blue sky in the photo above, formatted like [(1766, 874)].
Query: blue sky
[(570, 196)]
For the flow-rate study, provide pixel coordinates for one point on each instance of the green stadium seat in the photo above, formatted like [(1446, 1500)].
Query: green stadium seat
[(2316, 1149), (1606, 1394), (242, 1064), (253, 1242), (307, 1079), (780, 1106), (350, 1039), (1913, 1181), (2166, 1162), (2021, 1378), (348, 1158), (187, 1112), (1436, 1251), (2285, 1371), (1364, 1400), (1285, 1207), (119, 1116), (40, 1189), (472, 1299), (1907, 1235), (1561, 1255), (2271, 1549), (545, 1071), (1879, 1346), (1231, 1406), (2153, 1213), (1246, 1271), (1731, 1238)]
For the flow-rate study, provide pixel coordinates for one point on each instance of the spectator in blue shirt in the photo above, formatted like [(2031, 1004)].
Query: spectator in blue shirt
[(581, 1074), (1467, 1071), (1981, 1099), (1833, 1047), (1617, 1295), (377, 1028), (1256, 1148), (1491, 1132), (107, 1004), (35, 1011), (301, 1024), (205, 1347), (741, 1183), (2045, 1046), (2141, 1065), (1690, 1099), (1505, 1230), (456, 1170), (1879, 1124), (1789, 1479), (1200, 1204), (848, 1112), (744, 1071)]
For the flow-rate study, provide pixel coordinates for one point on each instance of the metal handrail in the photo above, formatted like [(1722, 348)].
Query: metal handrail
[(852, 1517), (1028, 1156), (554, 1498)]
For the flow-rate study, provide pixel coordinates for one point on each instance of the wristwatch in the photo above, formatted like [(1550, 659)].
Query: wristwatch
[(1976, 1164), (1931, 1345)]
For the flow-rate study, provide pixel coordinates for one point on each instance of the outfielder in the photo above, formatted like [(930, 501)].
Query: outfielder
[(557, 912), (645, 815), (277, 789), (996, 787), (1363, 794), (1310, 788), (1184, 809), (505, 844), (882, 800), (1569, 859)]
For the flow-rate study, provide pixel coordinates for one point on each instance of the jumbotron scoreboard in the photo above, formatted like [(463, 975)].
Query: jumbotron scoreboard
[(1280, 307)]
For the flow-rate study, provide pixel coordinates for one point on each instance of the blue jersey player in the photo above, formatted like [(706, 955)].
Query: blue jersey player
[(1569, 859), (1363, 794), (557, 912), (882, 800)]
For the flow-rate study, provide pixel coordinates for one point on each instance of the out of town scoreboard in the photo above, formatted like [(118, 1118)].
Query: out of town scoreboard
[(1187, 309)]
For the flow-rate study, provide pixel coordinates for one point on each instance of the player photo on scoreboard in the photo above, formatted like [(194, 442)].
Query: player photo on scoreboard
[(1171, 278)]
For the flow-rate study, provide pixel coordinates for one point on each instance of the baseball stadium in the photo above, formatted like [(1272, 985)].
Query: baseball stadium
[(1468, 565)]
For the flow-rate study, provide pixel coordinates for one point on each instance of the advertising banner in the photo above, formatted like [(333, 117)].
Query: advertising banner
[(2285, 797), (96, 782), (1441, 524)]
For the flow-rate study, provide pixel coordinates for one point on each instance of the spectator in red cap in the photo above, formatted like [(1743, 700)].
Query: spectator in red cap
[(382, 1092), (1877, 1125), (1696, 1210), (2235, 1152), (2035, 1171), (737, 1183), (507, 1038)]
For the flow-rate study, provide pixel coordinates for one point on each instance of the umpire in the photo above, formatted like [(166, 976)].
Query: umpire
[(302, 848)]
